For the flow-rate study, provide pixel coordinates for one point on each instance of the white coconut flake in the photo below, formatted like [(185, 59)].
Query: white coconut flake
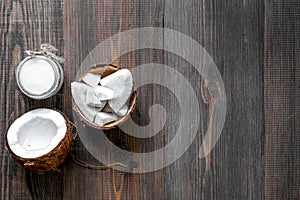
[(36, 133), (104, 93), (37, 76), (91, 79), (103, 118), (89, 112), (92, 100), (121, 83), (122, 112), (79, 91)]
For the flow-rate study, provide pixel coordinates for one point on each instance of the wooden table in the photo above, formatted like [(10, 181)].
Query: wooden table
[(256, 46)]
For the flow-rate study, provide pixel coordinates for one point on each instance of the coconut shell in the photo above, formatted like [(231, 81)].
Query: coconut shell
[(102, 70), (50, 161), (105, 71)]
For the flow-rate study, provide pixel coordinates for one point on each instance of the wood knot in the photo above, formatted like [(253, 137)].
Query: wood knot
[(205, 92)]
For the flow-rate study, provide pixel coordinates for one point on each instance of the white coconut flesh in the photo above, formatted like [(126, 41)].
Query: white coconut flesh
[(36, 133), (102, 103), (121, 83), (103, 93), (37, 76), (91, 79), (79, 91)]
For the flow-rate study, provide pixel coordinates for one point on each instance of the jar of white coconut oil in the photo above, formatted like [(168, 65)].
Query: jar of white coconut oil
[(39, 77)]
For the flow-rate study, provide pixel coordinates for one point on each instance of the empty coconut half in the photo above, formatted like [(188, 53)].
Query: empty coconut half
[(115, 91), (40, 140)]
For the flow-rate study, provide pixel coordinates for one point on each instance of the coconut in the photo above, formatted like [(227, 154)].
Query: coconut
[(100, 119), (40, 140), (121, 83)]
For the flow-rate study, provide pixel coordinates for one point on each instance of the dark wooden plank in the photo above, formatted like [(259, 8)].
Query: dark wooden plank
[(232, 32), (25, 25), (282, 82), (86, 24)]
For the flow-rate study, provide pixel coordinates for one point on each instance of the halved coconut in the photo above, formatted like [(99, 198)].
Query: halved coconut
[(40, 140), (124, 112)]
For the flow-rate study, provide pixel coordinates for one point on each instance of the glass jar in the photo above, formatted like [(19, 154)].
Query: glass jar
[(39, 77)]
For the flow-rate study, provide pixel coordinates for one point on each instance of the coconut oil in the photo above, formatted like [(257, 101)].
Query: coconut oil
[(39, 77)]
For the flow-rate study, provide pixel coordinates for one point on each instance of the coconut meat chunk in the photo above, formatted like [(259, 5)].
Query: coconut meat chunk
[(103, 118), (91, 79), (104, 93), (92, 100), (121, 82), (122, 112), (79, 91), (36, 133)]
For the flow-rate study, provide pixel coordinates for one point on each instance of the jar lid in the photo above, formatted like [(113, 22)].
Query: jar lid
[(38, 76)]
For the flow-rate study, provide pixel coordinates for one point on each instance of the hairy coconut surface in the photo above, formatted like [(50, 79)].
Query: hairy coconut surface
[(40, 140)]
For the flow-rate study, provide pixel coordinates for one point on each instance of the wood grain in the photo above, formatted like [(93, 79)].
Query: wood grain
[(25, 25), (255, 45), (282, 81), (86, 24), (232, 33)]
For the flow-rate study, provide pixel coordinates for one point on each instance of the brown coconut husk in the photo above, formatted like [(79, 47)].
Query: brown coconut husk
[(52, 160), (105, 70)]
